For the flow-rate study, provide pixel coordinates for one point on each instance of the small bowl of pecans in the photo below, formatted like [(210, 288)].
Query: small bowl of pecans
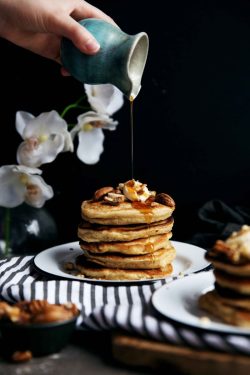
[(35, 328)]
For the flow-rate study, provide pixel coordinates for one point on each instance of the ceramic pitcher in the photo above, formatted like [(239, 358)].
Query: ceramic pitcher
[(120, 61)]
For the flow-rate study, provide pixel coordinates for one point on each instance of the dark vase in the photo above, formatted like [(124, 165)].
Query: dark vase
[(26, 230)]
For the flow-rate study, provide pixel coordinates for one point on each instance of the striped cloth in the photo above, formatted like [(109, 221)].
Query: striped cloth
[(106, 307)]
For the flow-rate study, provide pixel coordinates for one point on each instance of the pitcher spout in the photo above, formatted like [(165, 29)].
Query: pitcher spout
[(136, 63)]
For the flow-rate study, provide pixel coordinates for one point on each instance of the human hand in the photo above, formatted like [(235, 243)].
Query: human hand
[(39, 25)]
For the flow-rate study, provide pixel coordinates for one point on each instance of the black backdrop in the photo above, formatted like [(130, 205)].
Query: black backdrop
[(192, 116)]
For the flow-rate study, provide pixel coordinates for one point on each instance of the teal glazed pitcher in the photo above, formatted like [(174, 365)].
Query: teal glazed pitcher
[(120, 61)]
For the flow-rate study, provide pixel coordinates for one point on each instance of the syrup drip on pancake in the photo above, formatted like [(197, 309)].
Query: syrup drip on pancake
[(145, 209), (149, 247)]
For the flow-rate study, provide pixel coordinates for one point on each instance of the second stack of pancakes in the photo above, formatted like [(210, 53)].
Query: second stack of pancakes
[(125, 234), (230, 299)]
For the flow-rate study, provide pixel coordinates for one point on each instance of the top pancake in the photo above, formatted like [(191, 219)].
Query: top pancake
[(125, 213)]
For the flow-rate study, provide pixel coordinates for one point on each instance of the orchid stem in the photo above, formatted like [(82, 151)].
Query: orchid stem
[(6, 230), (74, 105)]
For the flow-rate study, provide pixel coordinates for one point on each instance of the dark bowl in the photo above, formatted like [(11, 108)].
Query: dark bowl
[(41, 339)]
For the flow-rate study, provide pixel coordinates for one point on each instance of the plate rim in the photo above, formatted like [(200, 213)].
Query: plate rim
[(99, 281), (227, 328)]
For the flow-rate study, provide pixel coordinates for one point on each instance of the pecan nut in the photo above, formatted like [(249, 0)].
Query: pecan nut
[(100, 193), (165, 199), (19, 356), (53, 313), (10, 312)]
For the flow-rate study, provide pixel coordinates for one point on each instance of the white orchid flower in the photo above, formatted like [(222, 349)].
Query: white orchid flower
[(104, 98), (90, 135), (19, 184), (44, 137)]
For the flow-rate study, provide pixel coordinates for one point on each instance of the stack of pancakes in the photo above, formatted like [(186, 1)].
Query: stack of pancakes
[(125, 234), (230, 299)]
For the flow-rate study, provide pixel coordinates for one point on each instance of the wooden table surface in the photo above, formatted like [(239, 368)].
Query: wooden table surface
[(103, 353)]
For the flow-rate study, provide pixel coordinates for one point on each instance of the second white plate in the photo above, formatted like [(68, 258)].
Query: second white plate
[(189, 259), (178, 301)]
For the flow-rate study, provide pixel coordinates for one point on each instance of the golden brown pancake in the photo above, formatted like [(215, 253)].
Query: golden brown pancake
[(238, 284), (213, 304), (223, 265), (125, 213), (232, 298), (104, 233), (135, 247), (93, 271), (157, 259)]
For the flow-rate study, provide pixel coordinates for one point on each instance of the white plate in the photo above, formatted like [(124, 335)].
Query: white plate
[(178, 301), (189, 258)]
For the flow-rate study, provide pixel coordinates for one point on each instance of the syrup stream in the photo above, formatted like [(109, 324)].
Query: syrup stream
[(131, 100)]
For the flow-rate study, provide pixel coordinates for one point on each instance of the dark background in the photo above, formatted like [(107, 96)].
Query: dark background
[(191, 118)]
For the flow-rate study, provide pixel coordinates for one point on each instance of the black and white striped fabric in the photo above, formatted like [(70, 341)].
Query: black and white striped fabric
[(105, 307)]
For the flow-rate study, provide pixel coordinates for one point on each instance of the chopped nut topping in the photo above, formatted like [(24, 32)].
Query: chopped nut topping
[(113, 197), (110, 201), (133, 191)]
